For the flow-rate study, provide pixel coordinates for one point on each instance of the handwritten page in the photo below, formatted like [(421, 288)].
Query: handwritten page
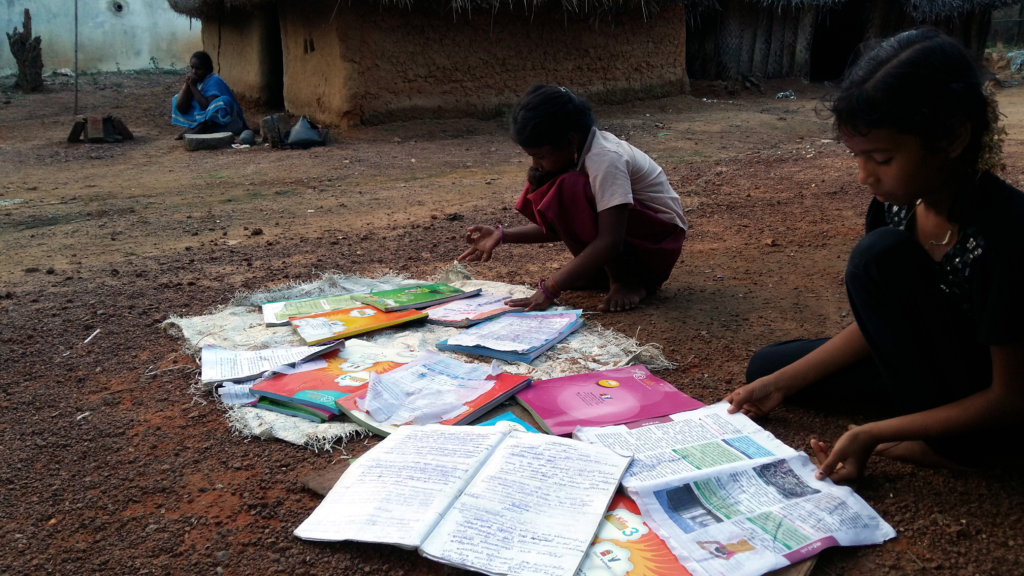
[(237, 394), (396, 492), (222, 364), (532, 510)]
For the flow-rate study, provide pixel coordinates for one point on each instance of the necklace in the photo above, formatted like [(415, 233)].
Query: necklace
[(949, 234)]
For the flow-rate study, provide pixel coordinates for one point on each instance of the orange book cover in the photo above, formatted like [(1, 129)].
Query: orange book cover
[(344, 373), (337, 324), (626, 546)]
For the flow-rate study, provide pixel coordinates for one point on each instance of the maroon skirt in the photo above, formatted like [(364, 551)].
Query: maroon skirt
[(566, 207)]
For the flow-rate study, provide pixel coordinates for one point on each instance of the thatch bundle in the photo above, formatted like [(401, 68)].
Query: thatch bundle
[(919, 9), (927, 10), (202, 8)]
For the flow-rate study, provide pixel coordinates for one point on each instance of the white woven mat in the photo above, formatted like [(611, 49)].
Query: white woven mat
[(240, 326)]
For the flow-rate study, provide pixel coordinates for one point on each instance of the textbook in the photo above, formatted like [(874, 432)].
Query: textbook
[(480, 498), (613, 396), (430, 389), (729, 498), (293, 409), (469, 311), (223, 365), (408, 297), (320, 382), (347, 322), (277, 313), (625, 545), (516, 336)]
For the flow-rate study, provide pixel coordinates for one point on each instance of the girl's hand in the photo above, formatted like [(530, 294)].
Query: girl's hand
[(482, 241), (755, 399), (848, 459), (537, 301)]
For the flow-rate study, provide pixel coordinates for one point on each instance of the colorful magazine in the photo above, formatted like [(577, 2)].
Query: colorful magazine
[(602, 398)]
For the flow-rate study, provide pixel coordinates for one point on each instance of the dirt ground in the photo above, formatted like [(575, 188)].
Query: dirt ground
[(112, 466)]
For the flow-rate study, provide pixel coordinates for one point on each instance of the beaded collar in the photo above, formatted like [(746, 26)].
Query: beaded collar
[(954, 267)]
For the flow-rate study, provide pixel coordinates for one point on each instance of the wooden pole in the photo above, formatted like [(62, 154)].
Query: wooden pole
[(76, 57)]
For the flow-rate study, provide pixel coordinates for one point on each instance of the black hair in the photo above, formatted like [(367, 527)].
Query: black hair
[(546, 115), (921, 83), (204, 60)]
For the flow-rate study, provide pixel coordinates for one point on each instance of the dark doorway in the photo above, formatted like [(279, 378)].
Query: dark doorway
[(836, 37), (274, 55)]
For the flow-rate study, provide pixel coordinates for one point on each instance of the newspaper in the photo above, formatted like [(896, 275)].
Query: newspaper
[(729, 498)]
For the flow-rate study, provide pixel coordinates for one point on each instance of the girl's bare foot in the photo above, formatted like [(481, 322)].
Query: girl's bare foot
[(622, 297)]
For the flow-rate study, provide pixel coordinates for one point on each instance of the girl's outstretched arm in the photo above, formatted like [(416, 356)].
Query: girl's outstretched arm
[(999, 406), (762, 395), (483, 240)]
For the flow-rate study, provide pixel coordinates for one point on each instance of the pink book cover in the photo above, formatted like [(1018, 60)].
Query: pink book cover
[(602, 398)]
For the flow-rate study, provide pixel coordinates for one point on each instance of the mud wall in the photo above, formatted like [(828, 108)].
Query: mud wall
[(246, 52), (345, 64)]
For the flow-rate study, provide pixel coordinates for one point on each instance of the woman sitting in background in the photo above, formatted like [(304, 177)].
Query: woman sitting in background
[(205, 103)]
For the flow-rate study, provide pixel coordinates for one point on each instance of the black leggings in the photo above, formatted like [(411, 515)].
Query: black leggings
[(924, 351)]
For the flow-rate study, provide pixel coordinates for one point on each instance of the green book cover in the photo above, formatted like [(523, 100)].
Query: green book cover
[(277, 313), (417, 296), (294, 409)]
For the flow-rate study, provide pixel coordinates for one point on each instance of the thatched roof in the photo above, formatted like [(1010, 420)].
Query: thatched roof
[(199, 8), (920, 9), (932, 9)]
